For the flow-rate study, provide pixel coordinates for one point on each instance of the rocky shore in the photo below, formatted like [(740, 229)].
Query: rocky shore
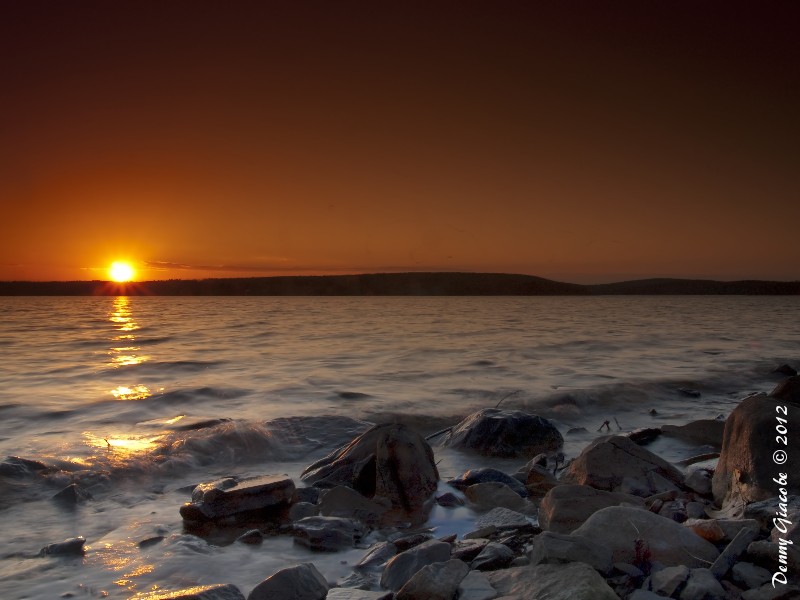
[(616, 521)]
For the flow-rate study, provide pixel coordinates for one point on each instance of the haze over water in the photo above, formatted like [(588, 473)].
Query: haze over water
[(137, 398)]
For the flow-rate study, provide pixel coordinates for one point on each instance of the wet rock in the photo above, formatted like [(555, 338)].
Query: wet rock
[(616, 464), (555, 548), (575, 430), (487, 475), (670, 543), (503, 518), (390, 460), (785, 369), (550, 547), (467, 550), (327, 533), (200, 592), (358, 580), (152, 541), (17, 468), (746, 467), (475, 586), (749, 575), (540, 481), (354, 594), (406, 542), (566, 507), (788, 390), (690, 393), (449, 500), (72, 495), (489, 495), (345, 502), (301, 510), (520, 561), (493, 556), (229, 496), (699, 480), (573, 581), (702, 585), (768, 592), (644, 435), (437, 581), (306, 494), (254, 537), (302, 582), (404, 566), (378, 554), (667, 582), (69, 547), (483, 532), (732, 552), (505, 433)]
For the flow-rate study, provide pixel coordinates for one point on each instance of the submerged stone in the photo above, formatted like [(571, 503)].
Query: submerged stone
[(69, 547), (229, 496)]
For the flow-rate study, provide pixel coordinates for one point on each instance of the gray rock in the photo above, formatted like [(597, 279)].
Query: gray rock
[(483, 532), (540, 480), (437, 581), (702, 585), (502, 519), (629, 570), (345, 502), (475, 586), (449, 500), (490, 495), (402, 567), (520, 561), (302, 582), (254, 536), (573, 581), (749, 575), (616, 464), (746, 469), (354, 594), (667, 582), (327, 533), (695, 510), (699, 480), (72, 495), (487, 475), (670, 543), (200, 592), (767, 592), (389, 460), (493, 556), (770, 554), (707, 432), (505, 433), (377, 555), (306, 494), (229, 496), (644, 595), (566, 507), (69, 547), (550, 547), (765, 511), (301, 510), (468, 549), (732, 552)]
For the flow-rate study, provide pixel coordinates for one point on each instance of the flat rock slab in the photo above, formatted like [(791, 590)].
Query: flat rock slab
[(302, 582), (732, 552), (503, 518), (574, 581), (201, 592), (231, 495), (618, 528)]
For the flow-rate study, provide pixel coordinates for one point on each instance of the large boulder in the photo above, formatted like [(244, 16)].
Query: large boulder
[(231, 495), (617, 464), (753, 449), (566, 507), (400, 569), (619, 528), (573, 581), (505, 433), (302, 582), (390, 461)]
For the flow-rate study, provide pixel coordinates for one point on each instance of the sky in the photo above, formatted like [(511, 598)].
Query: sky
[(580, 141)]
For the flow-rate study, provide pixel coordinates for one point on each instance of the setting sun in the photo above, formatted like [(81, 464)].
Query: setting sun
[(121, 272)]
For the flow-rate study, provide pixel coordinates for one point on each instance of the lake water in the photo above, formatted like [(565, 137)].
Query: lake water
[(136, 399)]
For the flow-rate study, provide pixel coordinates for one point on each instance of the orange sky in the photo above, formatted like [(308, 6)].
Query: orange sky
[(201, 139)]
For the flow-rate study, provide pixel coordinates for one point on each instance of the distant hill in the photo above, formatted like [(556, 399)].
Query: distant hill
[(393, 284)]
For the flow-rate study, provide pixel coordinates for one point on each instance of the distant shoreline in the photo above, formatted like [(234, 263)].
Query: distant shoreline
[(397, 284)]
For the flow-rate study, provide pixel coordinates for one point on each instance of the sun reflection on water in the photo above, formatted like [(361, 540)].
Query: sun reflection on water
[(122, 449), (137, 392), (123, 355)]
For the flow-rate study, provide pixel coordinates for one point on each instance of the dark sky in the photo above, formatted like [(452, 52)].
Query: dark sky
[(583, 141)]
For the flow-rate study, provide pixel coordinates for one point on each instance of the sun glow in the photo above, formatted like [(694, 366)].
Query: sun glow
[(121, 272)]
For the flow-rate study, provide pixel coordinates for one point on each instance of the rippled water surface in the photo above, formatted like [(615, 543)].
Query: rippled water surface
[(138, 398)]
